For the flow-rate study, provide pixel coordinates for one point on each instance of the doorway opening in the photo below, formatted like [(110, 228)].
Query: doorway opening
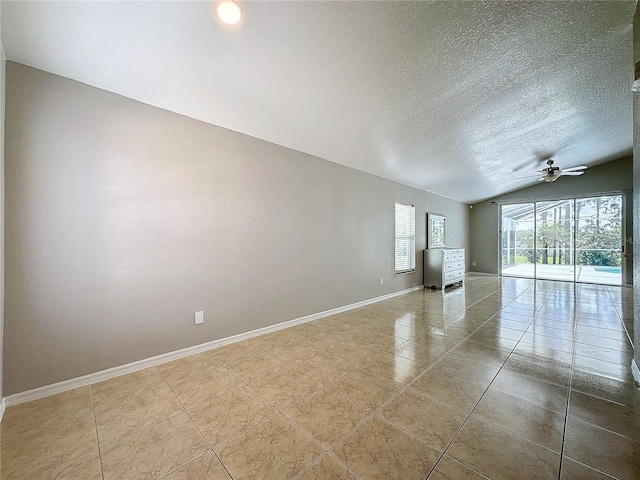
[(576, 240)]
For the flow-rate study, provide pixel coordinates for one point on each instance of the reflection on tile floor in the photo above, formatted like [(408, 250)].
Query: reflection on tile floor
[(502, 379)]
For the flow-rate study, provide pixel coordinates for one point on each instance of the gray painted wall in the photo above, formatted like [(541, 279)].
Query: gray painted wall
[(123, 219), (2, 103), (614, 176), (636, 191)]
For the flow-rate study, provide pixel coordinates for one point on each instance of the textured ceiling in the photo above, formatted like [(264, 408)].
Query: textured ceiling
[(449, 97)]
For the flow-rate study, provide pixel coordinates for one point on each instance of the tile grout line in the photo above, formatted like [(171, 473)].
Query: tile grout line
[(279, 411), (330, 453), (533, 316), (620, 318), (573, 359), (182, 466), (327, 451), (606, 475), (566, 413), (324, 450), (236, 435), (95, 424), (317, 460), (133, 432), (197, 427), (433, 366), (444, 452), (566, 420), (584, 422)]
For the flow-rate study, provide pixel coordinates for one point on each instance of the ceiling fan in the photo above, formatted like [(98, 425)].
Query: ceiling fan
[(551, 173)]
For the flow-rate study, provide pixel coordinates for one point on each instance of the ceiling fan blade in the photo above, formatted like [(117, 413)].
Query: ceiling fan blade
[(564, 172), (573, 169)]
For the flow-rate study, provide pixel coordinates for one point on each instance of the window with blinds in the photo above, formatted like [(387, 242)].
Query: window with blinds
[(405, 238)]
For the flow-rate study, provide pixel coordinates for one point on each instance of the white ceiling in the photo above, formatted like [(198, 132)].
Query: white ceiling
[(449, 97)]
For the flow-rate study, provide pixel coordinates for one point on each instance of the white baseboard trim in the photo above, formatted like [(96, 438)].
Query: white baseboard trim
[(636, 372), (53, 389), (3, 407)]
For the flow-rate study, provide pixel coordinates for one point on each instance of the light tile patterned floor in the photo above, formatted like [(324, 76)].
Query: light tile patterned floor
[(502, 379)]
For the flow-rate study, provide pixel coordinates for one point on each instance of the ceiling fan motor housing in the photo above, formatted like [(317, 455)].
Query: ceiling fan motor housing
[(550, 169)]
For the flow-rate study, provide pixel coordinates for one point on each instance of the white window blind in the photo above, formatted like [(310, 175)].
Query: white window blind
[(405, 238)]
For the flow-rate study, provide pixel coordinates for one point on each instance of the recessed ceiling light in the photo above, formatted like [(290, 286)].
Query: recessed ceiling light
[(229, 12)]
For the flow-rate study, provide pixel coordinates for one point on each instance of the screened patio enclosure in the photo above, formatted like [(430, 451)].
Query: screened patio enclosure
[(577, 240)]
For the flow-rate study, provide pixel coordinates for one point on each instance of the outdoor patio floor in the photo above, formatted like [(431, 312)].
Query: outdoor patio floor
[(585, 274)]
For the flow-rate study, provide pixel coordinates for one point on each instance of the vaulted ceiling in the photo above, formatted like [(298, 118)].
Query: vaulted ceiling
[(456, 98)]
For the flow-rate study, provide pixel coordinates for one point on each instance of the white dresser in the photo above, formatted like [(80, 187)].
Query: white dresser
[(443, 267)]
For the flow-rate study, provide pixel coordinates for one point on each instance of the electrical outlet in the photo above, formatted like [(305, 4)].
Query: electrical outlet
[(199, 317), (382, 281), (474, 264)]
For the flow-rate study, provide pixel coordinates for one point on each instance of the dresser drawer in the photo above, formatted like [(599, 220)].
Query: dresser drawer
[(449, 256), (452, 265), (453, 276)]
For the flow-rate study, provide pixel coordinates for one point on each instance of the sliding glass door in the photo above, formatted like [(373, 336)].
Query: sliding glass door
[(572, 240), (599, 240), (554, 240), (517, 240)]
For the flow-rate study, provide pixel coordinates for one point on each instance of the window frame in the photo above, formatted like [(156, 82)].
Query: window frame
[(412, 266)]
